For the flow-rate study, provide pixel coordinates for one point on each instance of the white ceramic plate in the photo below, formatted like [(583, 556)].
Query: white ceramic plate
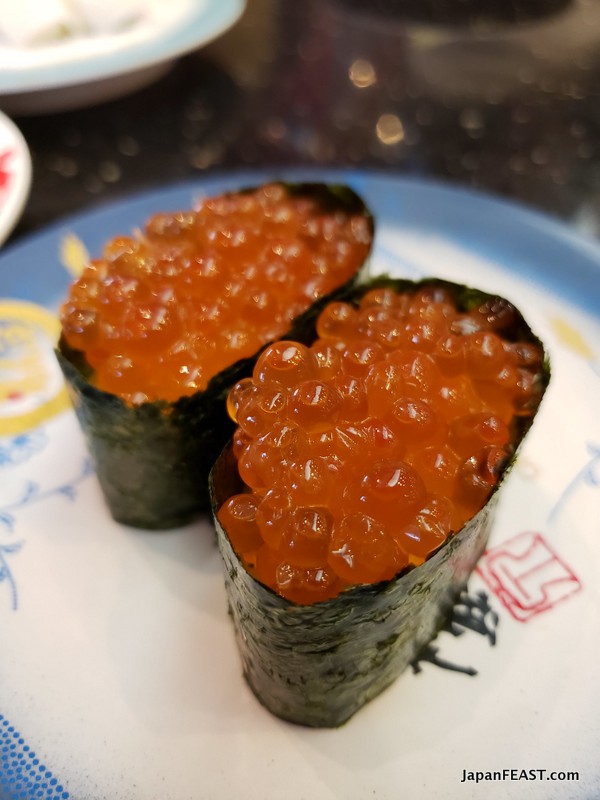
[(119, 674), (15, 175), (90, 69)]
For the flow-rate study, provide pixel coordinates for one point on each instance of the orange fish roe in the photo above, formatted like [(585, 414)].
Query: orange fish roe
[(364, 452), (159, 315)]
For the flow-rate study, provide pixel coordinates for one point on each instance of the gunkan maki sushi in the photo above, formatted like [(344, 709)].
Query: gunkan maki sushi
[(357, 494), (156, 330)]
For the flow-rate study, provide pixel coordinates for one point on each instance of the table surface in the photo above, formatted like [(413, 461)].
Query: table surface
[(498, 96)]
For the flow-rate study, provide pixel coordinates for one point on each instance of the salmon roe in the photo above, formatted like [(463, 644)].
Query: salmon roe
[(390, 432), (161, 313)]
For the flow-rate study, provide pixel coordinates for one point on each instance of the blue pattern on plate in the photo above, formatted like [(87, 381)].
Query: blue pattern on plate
[(22, 776), (588, 475), (31, 494), (17, 449)]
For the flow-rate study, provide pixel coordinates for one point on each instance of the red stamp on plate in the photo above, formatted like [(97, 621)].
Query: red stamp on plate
[(527, 575)]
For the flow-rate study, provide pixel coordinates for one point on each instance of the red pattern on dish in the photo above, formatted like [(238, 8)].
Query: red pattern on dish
[(6, 172), (527, 575)]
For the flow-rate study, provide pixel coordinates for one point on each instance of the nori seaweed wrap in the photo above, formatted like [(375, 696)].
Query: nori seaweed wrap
[(317, 664), (153, 458)]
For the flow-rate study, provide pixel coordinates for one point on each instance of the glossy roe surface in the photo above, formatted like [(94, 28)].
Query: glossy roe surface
[(364, 452), (161, 313)]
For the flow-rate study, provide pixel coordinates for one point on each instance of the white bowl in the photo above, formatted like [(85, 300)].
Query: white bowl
[(90, 69)]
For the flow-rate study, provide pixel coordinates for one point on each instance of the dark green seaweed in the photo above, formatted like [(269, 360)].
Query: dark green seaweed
[(153, 460), (317, 665)]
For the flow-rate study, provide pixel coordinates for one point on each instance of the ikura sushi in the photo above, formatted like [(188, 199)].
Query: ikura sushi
[(357, 494), (156, 330)]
